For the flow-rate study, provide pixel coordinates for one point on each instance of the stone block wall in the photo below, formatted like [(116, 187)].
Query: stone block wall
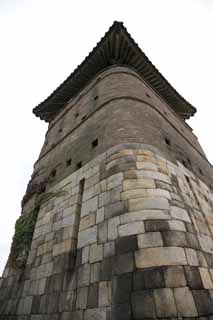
[(129, 238)]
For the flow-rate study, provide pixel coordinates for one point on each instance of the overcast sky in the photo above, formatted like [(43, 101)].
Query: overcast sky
[(42, 41)]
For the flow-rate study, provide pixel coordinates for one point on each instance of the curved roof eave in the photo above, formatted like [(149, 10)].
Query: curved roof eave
[(116, 47)]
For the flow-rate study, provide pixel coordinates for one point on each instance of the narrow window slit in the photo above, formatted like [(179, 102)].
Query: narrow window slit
[(68, 163), (95, 143), (79, 165)]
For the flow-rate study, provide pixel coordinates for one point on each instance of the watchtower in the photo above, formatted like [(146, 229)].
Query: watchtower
[(117, 219)]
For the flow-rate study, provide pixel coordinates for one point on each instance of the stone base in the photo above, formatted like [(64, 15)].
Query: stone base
[(137, 244)]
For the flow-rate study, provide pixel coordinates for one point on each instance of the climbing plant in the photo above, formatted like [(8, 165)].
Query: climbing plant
[(24, 229), (22, 238)]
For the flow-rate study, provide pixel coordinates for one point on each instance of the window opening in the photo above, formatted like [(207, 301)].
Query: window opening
[(95, 143)]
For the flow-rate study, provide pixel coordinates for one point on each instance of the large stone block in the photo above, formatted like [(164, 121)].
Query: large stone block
[(93, 296), (95, 314), (148, 203), (109, 249), (102, 232), (122, 288), (180, 214), (193, 277), (126, 244), (131, 228), (82, 294), (161, 256), (87, 221), (150, 278), (123, 263), (185, 302), (87, 236), (130, 184), (203, 302), (105, 293), (165, 303), (154, 175), (144, 215), (174, 277), (143, 305), (84, 275), (95, 272), (149, 240), (174, 238), (96, 253), (206, 278), (192, 257), (113, 228), (89, 206)]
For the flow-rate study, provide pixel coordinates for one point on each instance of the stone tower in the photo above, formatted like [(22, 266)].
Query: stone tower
[(117, 220)]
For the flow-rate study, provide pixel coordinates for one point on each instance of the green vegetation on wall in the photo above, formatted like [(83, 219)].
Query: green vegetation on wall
[(22, 239)]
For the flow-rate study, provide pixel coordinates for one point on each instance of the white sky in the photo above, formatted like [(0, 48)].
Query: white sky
[(42, 41)]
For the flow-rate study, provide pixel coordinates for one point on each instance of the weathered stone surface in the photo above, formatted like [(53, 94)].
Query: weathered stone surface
[(87, 221), (206, 279), (139, 193), (113, 228), (87, 236), (180, 214), (114, 181), (104, 297), (162, 256), (93, 296), (81, 302), (102, 232), (89, 206), (156, 225), (149, 279), (95, 253), (95, 314), (185, 302), (193, 277), (131, 228), (174, 238), (114, 209), (121, 312), (174, 277), (100, 215), (154, 175), (126, 244), (203, 302), (191, 256), (122, 288), (144, 195), (123, 263), (95, 272), (85, 254), (149, 240), (106, 269), (143, 304), (138, 184), (148, 203), (165, 303), (177, 225), (84, 275), (144, 215), (109, 249)]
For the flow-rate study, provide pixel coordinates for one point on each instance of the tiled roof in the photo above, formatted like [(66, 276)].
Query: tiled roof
[(116, 48)]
